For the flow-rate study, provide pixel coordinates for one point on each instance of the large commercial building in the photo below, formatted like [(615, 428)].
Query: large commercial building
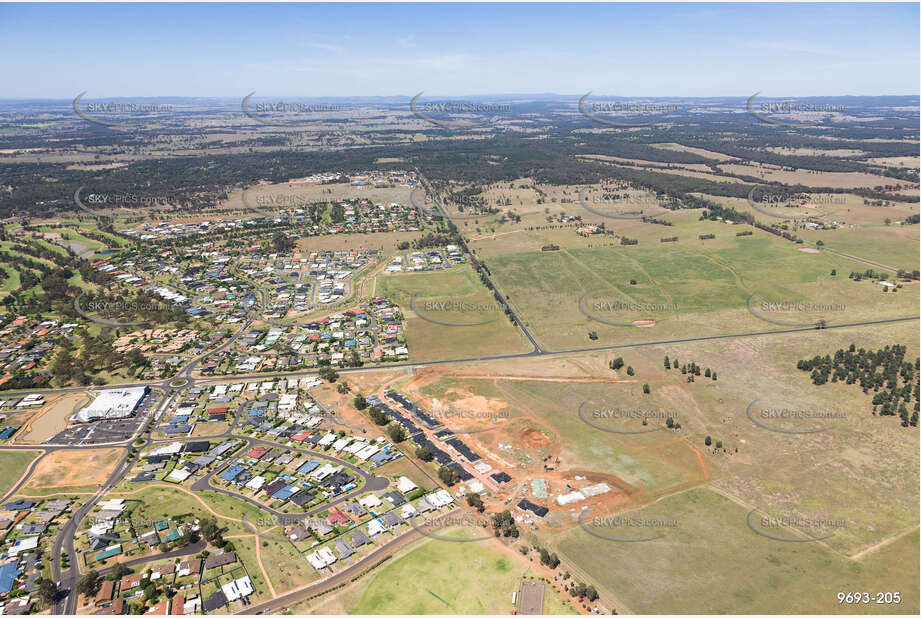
[(115, 403)]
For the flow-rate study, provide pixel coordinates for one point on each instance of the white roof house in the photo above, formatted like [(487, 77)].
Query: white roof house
[(405, 485)]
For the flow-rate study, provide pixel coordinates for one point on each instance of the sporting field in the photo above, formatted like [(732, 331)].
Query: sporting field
[(440, 577)]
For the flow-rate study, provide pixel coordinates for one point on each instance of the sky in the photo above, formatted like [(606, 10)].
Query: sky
[(316, 50)]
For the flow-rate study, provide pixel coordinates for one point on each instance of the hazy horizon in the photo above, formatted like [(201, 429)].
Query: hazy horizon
[(356, 50)]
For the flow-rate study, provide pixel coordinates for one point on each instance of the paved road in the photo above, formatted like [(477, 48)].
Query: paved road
[(501, 297), (282, 602), (26, 473), (64, 541), (371, 483), (188, 550)]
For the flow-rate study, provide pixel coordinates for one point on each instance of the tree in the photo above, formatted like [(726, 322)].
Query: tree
[(360, 402), (448, 475), (378, 416), (476, 502), (668, 365), (424, 453), (328, 373), (118, 571), (210, 529), (708, 441), (48, 591), (719, 444), (87, 583), (396, 432), (630, 371), (617, 363), (645, 389)]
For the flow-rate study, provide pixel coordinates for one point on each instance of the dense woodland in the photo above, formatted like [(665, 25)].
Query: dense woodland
[(197, 182), (892, 379)]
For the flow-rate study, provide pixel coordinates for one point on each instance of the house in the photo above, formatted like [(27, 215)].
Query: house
[(500, 477), (219, 560), (33, 529), (105, 593), (527, 505), (301, 498), (391, 519), (151, 538), (408, 511), (8, 574), (336, 517), (177, 606), (160, 609), (394, 498), (299, 533), (215, 602), (24, 544), (343, 548), (320, 527), (359, 538), (237, 589), (370, 501), (404, 485), (132, 580), (375, 527), (192, 567), (197, 447), (117, 608), (19, 505)]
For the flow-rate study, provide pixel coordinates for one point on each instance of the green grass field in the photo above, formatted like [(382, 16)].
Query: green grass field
[(14, 465), (428, 340), (712, 562), (697, 287), (439, 577)]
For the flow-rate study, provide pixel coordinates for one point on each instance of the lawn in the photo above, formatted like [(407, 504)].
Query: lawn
[(462, 337), (438, 577), (14, 465)]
